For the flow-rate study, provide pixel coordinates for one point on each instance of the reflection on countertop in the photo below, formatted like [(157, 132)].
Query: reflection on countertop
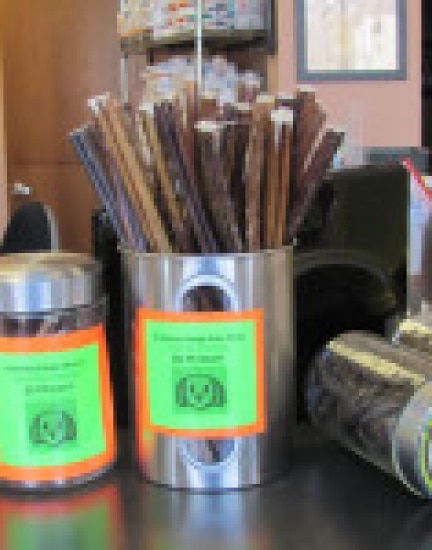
[(331, 500), (88, 519)]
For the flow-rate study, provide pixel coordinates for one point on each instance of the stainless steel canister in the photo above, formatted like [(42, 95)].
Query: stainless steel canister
[(203, 368), (56, 411)]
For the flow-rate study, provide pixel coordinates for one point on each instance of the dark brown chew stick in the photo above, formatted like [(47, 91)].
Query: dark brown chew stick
[(317, 168), (286, 120), (218, 199)]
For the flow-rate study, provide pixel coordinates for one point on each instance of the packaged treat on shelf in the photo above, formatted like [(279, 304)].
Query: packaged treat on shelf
[(135, 17), (249, 85), (162, 19), (166, 78), (249, 14), (220, 78), (183, 17), (375, 399), (257, 19), (217, 15), (122, 23), (169, 18)]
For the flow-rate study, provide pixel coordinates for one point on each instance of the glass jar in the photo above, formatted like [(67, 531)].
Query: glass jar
[(375, 399), (56, 409)]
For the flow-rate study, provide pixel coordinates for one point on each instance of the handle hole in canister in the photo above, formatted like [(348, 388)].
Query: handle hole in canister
[(208, 453), (206, 298)]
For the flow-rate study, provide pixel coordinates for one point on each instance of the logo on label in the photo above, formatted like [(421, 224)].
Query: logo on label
[(52, 428), (200, 392), (200, 375)]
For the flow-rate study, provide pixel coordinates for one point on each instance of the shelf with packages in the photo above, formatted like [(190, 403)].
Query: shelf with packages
[(146, 40), (143, 42)]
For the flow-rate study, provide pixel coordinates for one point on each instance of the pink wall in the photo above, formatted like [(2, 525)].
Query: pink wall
[(377, 113)]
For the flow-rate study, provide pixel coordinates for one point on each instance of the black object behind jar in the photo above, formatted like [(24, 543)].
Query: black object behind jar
[(351, 259), (105, 247)]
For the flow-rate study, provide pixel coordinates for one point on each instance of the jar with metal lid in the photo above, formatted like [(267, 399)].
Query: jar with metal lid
[(375, 399), (56, 410)]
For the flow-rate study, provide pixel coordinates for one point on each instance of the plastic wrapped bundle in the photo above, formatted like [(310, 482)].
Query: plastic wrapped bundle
[(376, 400), (416, 333)]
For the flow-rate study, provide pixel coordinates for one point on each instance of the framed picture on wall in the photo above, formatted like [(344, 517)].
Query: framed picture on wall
[(351, 39)]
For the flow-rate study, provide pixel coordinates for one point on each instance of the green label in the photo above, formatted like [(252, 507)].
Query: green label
[(426, 455), (50, 408), (202, 376)]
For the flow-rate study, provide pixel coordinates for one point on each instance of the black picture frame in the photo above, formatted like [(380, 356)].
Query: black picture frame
[(306, 74), (271, 26)]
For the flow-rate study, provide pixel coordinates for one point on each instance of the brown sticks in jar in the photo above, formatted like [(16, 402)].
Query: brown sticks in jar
[(185, 174), (254, 166), (318, 163), (216, 186), (284, 120), (162, 175), (109, 118)]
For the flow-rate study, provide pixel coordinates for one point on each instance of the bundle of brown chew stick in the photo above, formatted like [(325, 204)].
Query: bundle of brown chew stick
[(186, 175)]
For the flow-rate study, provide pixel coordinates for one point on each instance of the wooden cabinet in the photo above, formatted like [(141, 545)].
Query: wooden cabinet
[(3, 169), (57, 55)]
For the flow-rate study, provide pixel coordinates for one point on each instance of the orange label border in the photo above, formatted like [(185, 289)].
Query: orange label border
[(64, 343), (142, 408)]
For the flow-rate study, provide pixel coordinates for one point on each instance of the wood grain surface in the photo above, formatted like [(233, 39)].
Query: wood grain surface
[(57, 55)]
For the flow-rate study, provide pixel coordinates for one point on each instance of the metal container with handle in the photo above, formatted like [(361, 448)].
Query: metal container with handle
[(211, 352)]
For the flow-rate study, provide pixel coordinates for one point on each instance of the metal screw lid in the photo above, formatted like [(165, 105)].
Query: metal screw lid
[(47, 281)]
